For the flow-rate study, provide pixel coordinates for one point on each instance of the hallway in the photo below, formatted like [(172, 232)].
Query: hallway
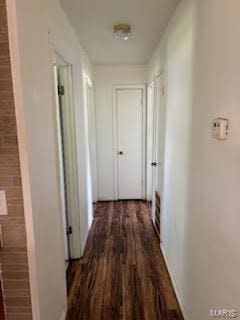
[(105, 107), (122, 274)]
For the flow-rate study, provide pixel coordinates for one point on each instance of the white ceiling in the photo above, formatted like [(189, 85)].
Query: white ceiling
[(93, 21)]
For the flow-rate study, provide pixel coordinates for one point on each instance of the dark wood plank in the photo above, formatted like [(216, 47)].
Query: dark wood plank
[(122, 274)]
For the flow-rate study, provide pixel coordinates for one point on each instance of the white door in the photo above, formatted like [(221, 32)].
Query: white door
[(130, 143), (69, 149), (61, 168), (158, 153), (67, 156)]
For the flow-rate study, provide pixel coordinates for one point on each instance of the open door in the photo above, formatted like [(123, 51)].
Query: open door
[(61, 169), (67, 158), (158, 153)]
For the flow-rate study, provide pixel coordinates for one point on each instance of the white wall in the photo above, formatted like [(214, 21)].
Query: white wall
[(200, 57), (213, 243), (105, 78), (174, 56), (35, 26)]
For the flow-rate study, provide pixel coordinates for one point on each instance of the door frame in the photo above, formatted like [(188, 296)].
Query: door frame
[(61, 166), (162, 76), (150, 133), (75, 246), (91, 121), (115, 145)]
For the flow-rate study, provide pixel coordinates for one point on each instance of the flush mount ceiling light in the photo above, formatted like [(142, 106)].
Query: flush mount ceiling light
[(121, 31)]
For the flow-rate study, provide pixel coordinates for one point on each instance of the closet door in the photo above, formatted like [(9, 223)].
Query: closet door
[(130, 143)]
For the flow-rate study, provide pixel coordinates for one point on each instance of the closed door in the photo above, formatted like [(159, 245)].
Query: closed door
[(158, 153), (130, 143)]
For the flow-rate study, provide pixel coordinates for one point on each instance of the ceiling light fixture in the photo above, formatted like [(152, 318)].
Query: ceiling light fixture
[(121, 31)]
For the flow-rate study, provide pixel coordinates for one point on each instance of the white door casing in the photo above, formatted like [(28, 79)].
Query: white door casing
[(92, 140), (149, 133), (159, 117), (61, 167), (66, 136)]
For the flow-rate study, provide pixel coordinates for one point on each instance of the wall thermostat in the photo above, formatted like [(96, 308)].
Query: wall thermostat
[(220, 128)]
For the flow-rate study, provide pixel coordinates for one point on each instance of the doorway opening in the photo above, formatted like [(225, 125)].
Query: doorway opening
[(67, 158)]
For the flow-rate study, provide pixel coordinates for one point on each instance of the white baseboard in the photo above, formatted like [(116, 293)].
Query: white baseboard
[(64, 313), (174, 283)]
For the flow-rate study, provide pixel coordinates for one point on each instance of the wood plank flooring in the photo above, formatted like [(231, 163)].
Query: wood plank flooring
[(122, 275)]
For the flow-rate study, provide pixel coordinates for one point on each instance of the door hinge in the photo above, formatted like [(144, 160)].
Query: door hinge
[(69, 230), (61, 90)]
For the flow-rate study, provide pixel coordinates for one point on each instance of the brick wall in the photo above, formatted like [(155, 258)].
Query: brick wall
[(13, 254)]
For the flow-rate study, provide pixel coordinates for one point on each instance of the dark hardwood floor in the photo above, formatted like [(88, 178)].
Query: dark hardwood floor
[(122, 275)]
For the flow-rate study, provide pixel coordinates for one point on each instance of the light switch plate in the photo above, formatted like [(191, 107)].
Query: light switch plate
[(3, 203), (220, 128)]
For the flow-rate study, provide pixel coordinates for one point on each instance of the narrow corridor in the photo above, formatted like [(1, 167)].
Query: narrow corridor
[(122, 274)]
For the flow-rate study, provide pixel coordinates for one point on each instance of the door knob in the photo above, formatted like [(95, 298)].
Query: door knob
[(155, 164), (120, 152)]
